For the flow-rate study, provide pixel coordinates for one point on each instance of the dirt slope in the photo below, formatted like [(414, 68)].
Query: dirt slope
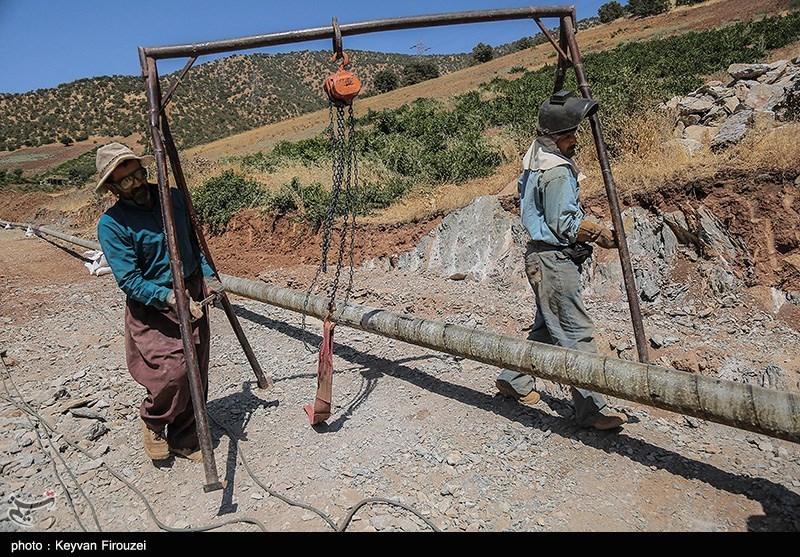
[(707, 15)]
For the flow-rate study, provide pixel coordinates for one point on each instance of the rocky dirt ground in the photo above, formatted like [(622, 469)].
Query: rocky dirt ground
[(417, 441)]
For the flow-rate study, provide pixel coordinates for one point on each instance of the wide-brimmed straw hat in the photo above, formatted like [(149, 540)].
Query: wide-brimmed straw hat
[(108, 158)]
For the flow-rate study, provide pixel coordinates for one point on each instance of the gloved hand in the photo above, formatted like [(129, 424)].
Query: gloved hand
[(195, 309), (171, 302), (593, 232), (213, 286)]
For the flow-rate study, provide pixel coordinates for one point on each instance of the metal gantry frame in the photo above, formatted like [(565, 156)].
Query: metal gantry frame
[(164, 149)]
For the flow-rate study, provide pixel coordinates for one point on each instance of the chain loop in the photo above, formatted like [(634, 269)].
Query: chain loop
[(344, 168)]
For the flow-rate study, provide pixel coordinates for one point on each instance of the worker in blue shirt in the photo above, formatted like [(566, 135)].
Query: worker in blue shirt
[(131, 234), (560, 237)]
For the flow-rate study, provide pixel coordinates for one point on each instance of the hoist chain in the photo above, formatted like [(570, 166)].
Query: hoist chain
[(345, 174)]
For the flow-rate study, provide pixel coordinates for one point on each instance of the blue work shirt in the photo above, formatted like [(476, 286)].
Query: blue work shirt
[(550, 205), (133, 241)]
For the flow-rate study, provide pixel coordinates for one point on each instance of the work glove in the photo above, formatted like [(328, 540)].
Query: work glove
[(213, 286), (590, 231), (195, 309)]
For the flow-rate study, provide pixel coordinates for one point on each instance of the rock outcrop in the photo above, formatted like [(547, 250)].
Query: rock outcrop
[(719, 114)]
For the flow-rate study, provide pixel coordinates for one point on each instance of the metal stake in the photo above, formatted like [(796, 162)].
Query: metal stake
[(176, 267), (611, 192), (263, 381)]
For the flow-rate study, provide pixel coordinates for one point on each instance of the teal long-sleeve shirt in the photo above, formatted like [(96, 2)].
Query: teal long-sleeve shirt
[(550, 205), (133, 242)]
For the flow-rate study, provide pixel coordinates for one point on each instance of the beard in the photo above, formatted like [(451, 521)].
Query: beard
[(141, 195)]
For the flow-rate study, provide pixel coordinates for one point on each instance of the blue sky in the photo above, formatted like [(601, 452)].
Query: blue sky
[(44, 43)]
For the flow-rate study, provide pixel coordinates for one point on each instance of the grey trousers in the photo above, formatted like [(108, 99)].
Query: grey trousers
[(561, 319)]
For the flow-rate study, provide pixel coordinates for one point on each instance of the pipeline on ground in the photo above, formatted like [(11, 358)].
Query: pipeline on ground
[(771, 412)]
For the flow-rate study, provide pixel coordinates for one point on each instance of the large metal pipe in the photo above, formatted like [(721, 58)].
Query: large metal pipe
[(767, 411), (318, 33), (749, 407), (55, 233)]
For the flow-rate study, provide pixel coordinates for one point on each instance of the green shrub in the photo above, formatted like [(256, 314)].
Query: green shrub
[(77, 171), (372, 196), (311, 203), (610, 11), (425, 142), (480, 54), (417, 72), (644, 8), (305, 151), (79, 175), (385, 81), (220, 197)]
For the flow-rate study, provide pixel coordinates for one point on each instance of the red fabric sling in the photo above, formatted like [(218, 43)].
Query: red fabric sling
[(321, 409)]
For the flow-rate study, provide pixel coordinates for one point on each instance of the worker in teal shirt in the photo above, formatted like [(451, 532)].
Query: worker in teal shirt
[(559, 244), (132, 238), (131, 234)]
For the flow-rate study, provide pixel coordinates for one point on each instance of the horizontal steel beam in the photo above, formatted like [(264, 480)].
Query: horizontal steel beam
[(317, 33), (767, 411)]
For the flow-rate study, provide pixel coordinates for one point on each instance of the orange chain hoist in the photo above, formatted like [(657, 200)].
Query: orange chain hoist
[(343, 86)]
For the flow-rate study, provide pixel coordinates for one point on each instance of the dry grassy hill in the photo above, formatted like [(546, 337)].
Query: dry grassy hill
[(707, 15), (206, 160)]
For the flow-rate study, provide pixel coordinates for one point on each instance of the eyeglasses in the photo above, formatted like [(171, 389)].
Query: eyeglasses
[(139, 174)]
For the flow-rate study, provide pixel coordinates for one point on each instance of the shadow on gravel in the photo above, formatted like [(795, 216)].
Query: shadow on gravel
[(232, 413), (781, 505), (69, 251)]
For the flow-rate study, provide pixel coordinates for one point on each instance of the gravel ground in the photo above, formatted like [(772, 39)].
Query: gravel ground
[(417, 440)]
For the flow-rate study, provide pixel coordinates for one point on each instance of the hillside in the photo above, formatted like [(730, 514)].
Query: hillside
[(216, 99), (239, 86), (708, 15)]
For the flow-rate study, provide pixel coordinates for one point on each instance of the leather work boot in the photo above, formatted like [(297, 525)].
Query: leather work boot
[(195, 454), (507, 390), (530, 399), (609, 421), (154, 443)]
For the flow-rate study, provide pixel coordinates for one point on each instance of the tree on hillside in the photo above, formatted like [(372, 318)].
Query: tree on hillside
[(610, 11), (386, 80), (644, 8), (480, 54), (523, 43), (419, 71), (79, 175)]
